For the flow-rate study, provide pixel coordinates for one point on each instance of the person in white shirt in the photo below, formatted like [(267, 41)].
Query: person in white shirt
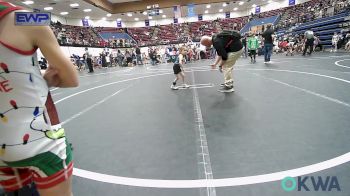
[(162, 54), (347, 39), (59, 37), (335, 40), (33, 143)]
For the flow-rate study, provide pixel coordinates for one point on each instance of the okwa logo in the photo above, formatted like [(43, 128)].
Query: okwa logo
[(311, 183)]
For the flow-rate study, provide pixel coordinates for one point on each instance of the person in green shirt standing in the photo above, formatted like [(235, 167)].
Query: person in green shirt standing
[(253, 45)]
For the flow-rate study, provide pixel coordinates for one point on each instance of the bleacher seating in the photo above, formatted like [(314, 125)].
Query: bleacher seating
[(76, 35), (298, 13), (114, 35), (261, 21), (324, 28), (323, 21), (229, 23), (142, 35)]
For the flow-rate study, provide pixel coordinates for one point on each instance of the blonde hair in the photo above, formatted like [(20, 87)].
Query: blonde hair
[(182, 48)]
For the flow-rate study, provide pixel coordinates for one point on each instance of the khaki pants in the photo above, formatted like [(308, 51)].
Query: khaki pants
[(228, 67)]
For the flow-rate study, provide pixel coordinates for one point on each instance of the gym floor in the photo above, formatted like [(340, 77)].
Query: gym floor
[(287, 118)]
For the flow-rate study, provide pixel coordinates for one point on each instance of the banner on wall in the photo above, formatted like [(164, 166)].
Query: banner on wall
[(190, 10), (177, 11), (257, 9), (147, 23), (228, 14), (176, 21), (85, 22), (200, 17), (153, 12), (119, 24), (291, 2)]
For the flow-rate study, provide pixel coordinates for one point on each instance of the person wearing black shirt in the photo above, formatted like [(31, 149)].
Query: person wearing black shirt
[(228, 51), (138, 56), (43, 63), (104, 60), (244, 42), (268, 42), (309, 41), (88, 57), (153, 57)]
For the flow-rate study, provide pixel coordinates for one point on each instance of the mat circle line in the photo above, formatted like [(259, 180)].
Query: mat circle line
[(203, 183)]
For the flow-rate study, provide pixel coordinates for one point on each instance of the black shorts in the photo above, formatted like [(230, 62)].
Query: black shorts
[(177, 69), (252, 52)]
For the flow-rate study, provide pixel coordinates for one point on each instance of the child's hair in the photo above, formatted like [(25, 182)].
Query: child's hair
[(182, 48)]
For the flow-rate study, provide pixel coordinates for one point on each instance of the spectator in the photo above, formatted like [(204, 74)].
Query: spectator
[(268, 42), (317, 44), (128, 58), (309, 43), (335, 40), (88, 57), (120, 58), (153, 56), (138, 56)]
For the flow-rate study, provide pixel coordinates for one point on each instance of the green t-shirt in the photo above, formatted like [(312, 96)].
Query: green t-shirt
[(253, 43)]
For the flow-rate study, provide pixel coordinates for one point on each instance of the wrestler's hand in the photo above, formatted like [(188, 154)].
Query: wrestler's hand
[(51, 77)]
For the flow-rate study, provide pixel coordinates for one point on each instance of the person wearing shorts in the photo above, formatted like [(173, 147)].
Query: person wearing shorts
[(33, 146), (335, 40), (178, 69)]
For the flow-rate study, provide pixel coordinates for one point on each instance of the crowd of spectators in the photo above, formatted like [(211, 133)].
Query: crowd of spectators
[(192, 31), (76, 35), (294, 44), (68, 35), (135, 56), (311, 10), (183, 32)]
